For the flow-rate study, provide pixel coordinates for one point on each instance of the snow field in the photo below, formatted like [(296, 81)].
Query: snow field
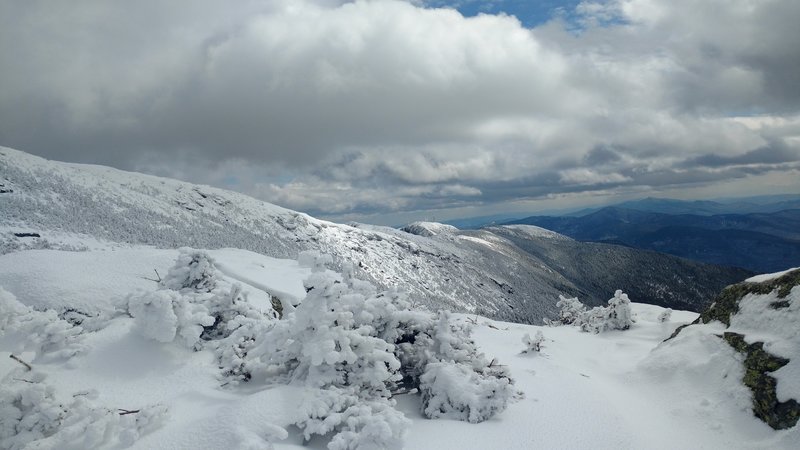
[(613, 390)]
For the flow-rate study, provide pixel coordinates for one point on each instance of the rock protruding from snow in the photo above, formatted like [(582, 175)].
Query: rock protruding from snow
[(759, 321)]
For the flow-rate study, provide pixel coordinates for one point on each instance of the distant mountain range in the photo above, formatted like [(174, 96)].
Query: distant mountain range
[(512, 273), (758, 241), (746, 205), (742, 205)]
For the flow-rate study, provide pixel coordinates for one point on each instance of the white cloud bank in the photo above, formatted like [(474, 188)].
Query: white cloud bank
[(377, 106)]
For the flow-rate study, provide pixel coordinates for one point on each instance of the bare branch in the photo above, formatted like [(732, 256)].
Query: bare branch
[(154, 280), (123, 412), (15, 358)]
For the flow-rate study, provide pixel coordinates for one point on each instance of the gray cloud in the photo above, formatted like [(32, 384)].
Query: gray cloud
[(769, 155), (344, 108)]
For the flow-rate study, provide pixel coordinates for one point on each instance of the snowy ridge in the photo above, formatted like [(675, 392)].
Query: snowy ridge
[(534, 231), (79, 207), (428, 229), (769, 276)]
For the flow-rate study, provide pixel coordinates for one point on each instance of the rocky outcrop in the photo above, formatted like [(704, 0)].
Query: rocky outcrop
[(759, 364), (727, 303)]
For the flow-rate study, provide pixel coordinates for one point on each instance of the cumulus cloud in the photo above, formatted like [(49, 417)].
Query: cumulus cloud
[(360, 107)]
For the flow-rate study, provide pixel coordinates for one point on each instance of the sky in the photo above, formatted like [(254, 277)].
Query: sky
[(390, 111)]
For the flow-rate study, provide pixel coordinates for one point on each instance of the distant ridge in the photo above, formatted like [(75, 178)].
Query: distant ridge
[(762, 242), (508, 273)]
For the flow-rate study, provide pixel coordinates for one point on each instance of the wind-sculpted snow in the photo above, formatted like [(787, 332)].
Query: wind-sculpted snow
[(491, 272)]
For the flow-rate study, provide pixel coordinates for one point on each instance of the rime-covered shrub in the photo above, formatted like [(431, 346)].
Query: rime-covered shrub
[(457, 381), (616, 316), (192, 303), (41, 332), (533, 344), (31, 416), (351, 347), (193, 271), (665, 315), (347, 345), (329, 345), (570, 310), (457, 391)]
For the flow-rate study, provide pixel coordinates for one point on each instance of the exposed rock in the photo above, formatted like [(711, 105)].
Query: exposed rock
[(727, 303), (758, 363), (21, 235)]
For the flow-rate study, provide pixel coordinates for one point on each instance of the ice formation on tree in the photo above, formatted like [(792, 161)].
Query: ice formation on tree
[(352, 348), (616, 316), (192, 304), (41, 332), (32, 416), (570, 309)]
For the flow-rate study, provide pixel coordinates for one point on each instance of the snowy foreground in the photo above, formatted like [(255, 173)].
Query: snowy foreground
[(131, 385)]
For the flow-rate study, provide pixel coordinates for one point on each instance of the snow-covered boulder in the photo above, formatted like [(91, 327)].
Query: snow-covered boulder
[(759, 319)]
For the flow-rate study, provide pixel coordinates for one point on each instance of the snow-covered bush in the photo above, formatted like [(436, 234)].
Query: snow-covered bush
[(458, 382), (329, 345), (193, 271), (533, 344), (665, 315), (192, 303), (41, 332), (570, 310), (458, 391), (352, 347), (31, 416), (621, 317), (349, 347), (616, 316)]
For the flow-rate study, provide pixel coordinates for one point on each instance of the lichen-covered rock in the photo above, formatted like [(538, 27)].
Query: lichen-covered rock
[(727, 303), (758, 364)]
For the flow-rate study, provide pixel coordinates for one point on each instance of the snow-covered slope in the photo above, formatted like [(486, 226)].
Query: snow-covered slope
[(429, 228), (46, 204), (615, 390)]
